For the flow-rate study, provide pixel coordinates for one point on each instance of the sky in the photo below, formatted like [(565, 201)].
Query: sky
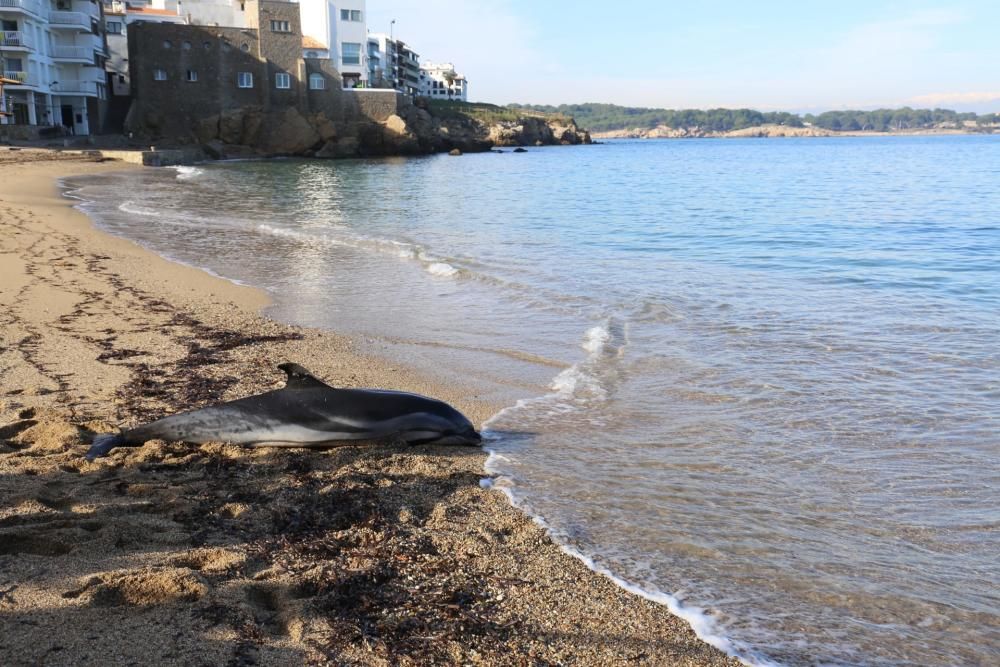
[(769, 55)]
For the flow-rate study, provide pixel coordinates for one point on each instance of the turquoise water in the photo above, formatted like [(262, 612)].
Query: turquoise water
[(757, 380)]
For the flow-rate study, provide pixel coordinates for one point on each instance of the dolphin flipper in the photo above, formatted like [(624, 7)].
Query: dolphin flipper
[(103, 444)]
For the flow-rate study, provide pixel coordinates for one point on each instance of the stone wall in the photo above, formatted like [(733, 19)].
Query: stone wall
[(216, 56)]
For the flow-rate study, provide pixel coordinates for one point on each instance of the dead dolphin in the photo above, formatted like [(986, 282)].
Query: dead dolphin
[(305, 412)]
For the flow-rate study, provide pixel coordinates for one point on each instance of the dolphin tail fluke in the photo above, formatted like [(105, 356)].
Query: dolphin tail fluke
[(103, 444)]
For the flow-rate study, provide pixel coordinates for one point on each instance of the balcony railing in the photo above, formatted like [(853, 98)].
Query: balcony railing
[(13, 39), (75, 87), (29, 6), (20, 77), (75, 53), (74, 20)]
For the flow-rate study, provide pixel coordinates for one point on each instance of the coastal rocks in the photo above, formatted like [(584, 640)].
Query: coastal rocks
[(414, 129), (666, 132), (344, 147), (454, 152), (286, 132)]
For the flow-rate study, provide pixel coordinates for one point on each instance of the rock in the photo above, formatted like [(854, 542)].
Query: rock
[(284, 132), (539, 142), (342, 148), (231, 126), (455, 152), (396, 125), (520, 150), (207, 130), (326, 128), (214, 149)]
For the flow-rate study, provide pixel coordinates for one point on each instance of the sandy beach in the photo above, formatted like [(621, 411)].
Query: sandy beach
[(173, 554)]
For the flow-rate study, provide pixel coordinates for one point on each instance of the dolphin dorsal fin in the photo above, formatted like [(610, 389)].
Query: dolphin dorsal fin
[(300, 378)]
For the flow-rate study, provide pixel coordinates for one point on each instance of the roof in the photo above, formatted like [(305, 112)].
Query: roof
[(311, 43), (151, 11)]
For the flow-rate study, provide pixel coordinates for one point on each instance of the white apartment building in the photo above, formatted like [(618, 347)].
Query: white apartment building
[(341, 26), (440, 81), (55, 51), (393, 64)]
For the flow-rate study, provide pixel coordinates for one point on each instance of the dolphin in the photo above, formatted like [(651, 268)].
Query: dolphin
[(305, 412)]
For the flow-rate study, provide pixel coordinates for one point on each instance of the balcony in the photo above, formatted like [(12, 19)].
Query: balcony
[(69, 21), (20, 77), (73, 54), (86, 88), (13, 40), (33, 7)]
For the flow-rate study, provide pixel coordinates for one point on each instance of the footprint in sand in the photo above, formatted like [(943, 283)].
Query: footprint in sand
[(141, 588)]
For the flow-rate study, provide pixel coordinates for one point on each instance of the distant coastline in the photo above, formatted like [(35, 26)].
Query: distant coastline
[(780, 131)]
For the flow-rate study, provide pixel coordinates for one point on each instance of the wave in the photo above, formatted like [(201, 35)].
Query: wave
[(582, 388), (131, 207), (433, 265), (185, 173)]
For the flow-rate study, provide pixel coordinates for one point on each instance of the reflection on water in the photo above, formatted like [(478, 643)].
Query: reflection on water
[(756, 380)]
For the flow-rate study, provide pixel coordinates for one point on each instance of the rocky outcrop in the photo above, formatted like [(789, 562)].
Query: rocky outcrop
[(412, 130), (665, 132)]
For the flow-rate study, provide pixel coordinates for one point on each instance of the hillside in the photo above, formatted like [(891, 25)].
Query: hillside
[(605, 118)]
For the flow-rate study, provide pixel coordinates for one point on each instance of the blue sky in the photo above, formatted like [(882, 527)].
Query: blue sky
[(797, 56)]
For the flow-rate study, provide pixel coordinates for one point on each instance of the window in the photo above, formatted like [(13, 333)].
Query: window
[(244, 79), (282, 80), (280, 26), (350, 53), (350, 15), (244, 47), (206, 45), (159, 75), (114, 27), (192, 75), (316, 81), (186, 46), (167, 44), (310, 54)]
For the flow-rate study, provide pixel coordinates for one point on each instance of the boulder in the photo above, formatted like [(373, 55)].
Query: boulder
[(326, 128), (214, 149), (520, 150), (207, 130), (285, 132), (341, 148), (455, 152), (231, 126)]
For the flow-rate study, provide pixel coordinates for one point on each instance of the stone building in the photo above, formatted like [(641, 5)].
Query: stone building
[(251, 86)]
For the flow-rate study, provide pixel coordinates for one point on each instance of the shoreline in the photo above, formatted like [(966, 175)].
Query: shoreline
[(369, 554), (778, 132)]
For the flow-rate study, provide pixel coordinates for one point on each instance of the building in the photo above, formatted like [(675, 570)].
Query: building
[(393, 64), (117, 18), (440, 81), (340, 26), (55, 52)]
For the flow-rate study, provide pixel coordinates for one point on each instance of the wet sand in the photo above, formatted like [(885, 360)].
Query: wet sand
[(371, 554)]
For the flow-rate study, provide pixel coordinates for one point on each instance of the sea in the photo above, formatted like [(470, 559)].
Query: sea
[(755, 380)]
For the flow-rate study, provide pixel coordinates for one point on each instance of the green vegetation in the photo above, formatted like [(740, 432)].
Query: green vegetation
[(889, 120), (606, 117), (485, 113)]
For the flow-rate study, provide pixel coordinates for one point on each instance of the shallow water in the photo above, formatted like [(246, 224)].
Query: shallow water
[(756, 380)]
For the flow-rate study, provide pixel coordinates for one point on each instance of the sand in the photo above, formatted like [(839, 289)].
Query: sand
[(174, 554)]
